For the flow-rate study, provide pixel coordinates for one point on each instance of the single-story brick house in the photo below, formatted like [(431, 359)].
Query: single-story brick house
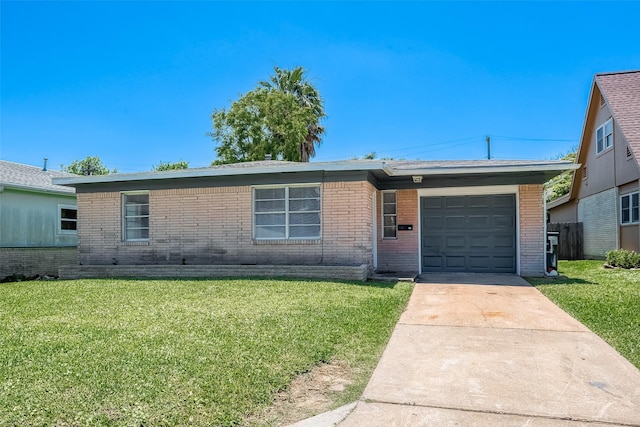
[(420, 216)]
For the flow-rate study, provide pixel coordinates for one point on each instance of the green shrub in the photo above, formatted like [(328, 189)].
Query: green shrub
[(623, 259)]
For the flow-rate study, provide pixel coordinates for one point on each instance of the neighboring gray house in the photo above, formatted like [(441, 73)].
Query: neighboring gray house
[(604, 191), (38, 221)]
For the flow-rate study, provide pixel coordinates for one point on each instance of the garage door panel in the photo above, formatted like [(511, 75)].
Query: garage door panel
[(455, 242), (457, 262), (479, 221), (432, 262), (455, 222), (479, 201), (455, 202), (503, 221), (469, 233)]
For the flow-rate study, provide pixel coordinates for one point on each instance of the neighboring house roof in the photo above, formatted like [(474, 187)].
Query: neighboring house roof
[(32, 178), (622, 93), (381, 169)]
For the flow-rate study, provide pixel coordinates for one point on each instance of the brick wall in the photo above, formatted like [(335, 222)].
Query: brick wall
[(35, 261), (599, 216), (401, 253), (213, 225), (532, 245)]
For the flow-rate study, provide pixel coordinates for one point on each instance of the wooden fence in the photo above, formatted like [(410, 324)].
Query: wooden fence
[(570, 245)]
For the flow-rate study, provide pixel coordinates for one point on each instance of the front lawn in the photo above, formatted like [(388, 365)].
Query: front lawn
[(606, 301), (178, 352)]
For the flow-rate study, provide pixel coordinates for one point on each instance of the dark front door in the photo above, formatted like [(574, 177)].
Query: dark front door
[(469, 233)]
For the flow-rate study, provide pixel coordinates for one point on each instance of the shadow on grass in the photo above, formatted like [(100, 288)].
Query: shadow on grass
[(258, 279)]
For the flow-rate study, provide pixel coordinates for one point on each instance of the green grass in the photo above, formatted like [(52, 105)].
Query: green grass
[(606, 301), (177, 352)]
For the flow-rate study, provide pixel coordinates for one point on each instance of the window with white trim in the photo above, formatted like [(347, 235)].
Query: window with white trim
[(67, 219), (630, 209), (604, 136), (287, 212), (135, 216), (389, 214)]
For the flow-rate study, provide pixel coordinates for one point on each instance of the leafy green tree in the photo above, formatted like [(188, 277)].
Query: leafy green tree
[(294, 82), (168, 166), (279, 118), (89, 166), (560, 185)]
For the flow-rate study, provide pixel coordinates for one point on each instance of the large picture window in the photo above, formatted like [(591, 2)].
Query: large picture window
[(389, 215), (630, 209), (286, 213), (67, 219), (135, 216), (604, 136)]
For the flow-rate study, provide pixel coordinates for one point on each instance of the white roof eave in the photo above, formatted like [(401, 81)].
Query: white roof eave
[(459, 170)]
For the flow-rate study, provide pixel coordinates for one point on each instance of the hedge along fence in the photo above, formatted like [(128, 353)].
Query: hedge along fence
[(622, 258)]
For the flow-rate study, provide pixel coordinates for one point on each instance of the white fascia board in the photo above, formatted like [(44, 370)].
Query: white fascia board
[(466, 170), (69, 192), (213, 172)]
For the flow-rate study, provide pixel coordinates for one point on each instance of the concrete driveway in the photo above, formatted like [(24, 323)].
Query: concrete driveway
[(490, 350)]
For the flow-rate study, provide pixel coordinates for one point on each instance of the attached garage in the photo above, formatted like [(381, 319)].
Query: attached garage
[(469, 233)]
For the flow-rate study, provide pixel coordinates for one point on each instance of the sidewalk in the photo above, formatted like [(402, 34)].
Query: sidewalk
[(485, 350)]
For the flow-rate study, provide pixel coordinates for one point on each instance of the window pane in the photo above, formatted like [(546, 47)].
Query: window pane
[(141, 222), (304, 205), (136, 210), (270, 232), (389, 232), (137, 198), (389, 209), (68, 225), (634, 200), (608, 141), (608, 127), (635, 214), (625, 202), (625, 216), (304, 231), (388, 197), (138, 233), (270, 219), (389, 221), (304, 192), (599, 139), (269, 193), (68, 213), (304, 218), (270, 206)]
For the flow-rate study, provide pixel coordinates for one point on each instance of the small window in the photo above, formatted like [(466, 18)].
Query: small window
[(604, 136), (286, 213), (630, 209), (135, 216), (68, 219), (602, 101), (389, 214)]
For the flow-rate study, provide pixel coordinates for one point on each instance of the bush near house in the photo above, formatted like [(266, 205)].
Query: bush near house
[(179, 352), (604, 300), (623, 259)]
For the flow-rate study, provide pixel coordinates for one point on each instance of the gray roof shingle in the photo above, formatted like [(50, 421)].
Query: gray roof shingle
[(622, 92), (32, 177)]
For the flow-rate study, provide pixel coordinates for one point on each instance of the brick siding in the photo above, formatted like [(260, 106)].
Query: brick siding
[(35, 261), (214, 225), (401, 253), (598, 214), (532, 245)]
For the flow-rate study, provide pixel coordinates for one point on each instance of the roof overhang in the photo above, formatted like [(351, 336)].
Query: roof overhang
[(388, 173), (69, 192)]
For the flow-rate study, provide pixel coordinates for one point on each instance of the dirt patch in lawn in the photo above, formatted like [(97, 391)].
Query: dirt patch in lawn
[(311, 393)]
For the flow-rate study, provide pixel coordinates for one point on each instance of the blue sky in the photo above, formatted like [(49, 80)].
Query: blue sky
[(135, 83)]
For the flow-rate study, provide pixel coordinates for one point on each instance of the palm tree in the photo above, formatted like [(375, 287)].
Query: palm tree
[(295, 83)]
